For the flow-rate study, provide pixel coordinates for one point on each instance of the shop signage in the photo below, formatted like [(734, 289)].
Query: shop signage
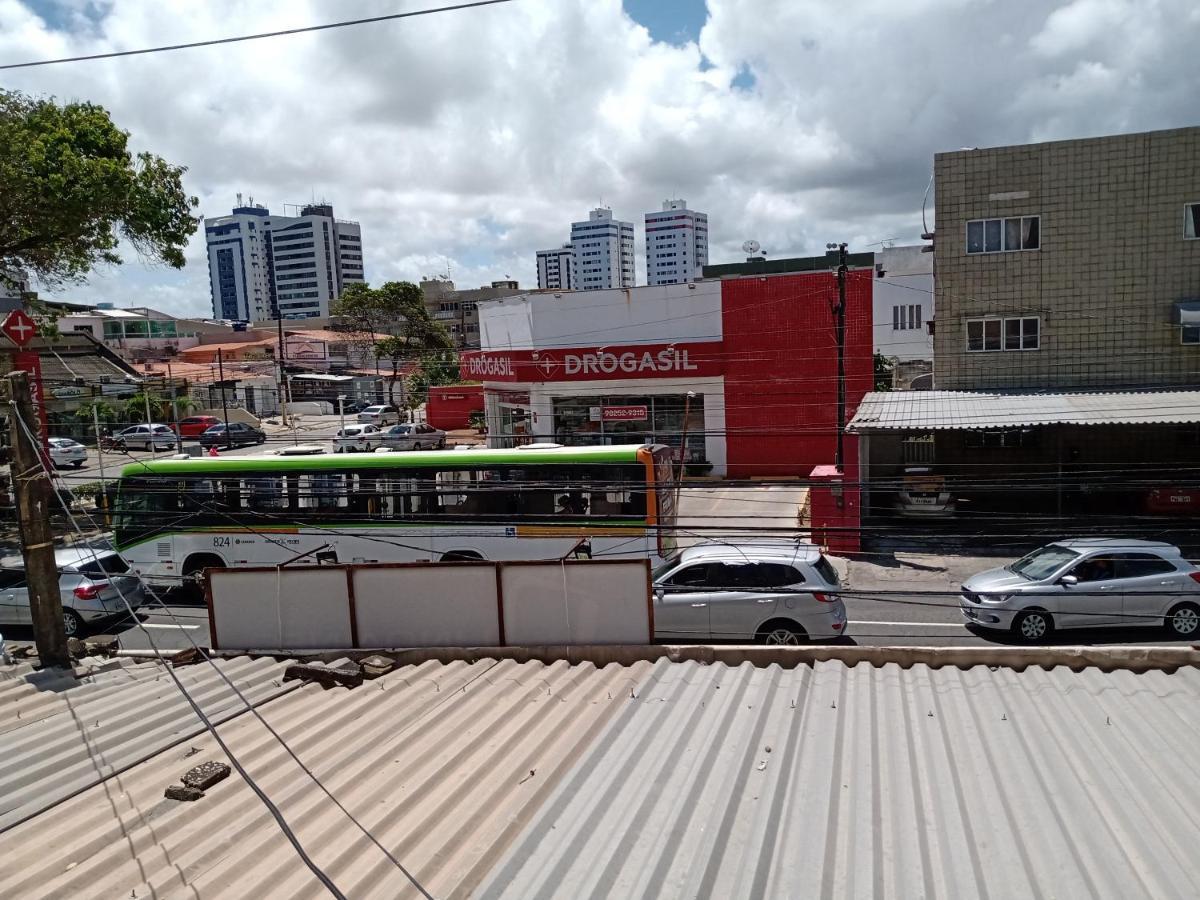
[(624, 413), (698, 359)]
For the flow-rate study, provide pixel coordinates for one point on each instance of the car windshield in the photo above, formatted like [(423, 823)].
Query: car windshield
[(104, 564), (216, 429), (1042, 563)]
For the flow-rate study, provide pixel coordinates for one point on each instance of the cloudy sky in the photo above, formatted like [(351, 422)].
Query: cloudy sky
[(471, 139)]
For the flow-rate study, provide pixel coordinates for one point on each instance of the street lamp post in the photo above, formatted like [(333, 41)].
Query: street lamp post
[(341, 414)]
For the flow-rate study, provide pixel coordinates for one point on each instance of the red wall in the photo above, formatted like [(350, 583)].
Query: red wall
[(450, 406), (780, 350)]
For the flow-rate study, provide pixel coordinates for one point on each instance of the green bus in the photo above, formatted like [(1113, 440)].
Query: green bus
[(174, 518)]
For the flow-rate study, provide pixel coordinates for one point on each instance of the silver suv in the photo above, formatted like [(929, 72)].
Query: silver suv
[(88, 584), (1084, 583), (782, 593)]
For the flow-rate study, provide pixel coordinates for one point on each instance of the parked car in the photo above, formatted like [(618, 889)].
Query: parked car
[(380, 415), (194, 426), (91, 583), (782, 593), (66, 452), (1086, 583), (357, 438), (239, 435), (158, 437), (354, 406), (923, 494), (414, 436)]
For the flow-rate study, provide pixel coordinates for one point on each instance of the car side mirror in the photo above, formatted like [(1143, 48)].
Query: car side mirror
[(1068, 581), (659, 593)]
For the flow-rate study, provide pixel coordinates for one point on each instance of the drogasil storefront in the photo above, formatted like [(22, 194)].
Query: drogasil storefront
[(738, 375)]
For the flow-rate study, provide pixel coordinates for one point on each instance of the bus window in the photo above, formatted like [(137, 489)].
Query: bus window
[(263, 493), (450, 499), (365, 498)]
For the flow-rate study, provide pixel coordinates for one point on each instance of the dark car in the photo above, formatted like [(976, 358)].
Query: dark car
[(354, 406), (239, 435)]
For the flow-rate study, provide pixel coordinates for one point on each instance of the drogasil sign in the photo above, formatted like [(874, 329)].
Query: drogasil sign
[(583, 364)]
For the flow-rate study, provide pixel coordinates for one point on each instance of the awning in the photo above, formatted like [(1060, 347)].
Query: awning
[(967, 410)]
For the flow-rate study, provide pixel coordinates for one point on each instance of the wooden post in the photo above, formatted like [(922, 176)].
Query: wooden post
[(35, 500)]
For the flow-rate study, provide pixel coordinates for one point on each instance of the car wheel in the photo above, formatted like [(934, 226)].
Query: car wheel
[(72, 624), (781, 633), (1184, 620), (120, 445), (442, 444), (1033, 626), (79, 465)]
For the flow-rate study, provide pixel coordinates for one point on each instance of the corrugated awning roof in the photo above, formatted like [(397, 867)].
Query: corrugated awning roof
[(669, 779), (964, 410)]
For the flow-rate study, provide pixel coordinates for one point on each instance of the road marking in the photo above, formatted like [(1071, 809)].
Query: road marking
[(913, 624), (169, 625)]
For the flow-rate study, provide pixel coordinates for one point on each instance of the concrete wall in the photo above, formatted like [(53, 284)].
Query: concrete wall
[(1113, 260)]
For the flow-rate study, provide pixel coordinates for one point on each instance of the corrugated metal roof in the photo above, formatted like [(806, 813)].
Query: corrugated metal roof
[(876, 782), (945, 410), (510, 779), (59, 735)]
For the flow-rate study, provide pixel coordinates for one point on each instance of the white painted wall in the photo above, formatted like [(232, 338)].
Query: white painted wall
[(641, 315), (907, 281)]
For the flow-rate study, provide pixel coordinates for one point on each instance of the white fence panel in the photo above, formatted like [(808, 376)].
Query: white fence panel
[(577, 602), (435, 605), (280, 609)]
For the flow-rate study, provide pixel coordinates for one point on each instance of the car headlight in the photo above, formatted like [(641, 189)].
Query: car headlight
[(994, 598)]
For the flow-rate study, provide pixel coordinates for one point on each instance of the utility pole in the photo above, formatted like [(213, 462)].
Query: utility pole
[(34, 496), (174, 411), (279, 358), (224, 404), (149, 423), (840, 313)]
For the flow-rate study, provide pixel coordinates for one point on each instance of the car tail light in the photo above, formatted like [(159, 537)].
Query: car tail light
[(824, 598), (90, 591), (1195, 576)]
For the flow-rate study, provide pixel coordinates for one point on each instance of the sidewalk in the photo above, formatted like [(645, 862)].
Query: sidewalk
[(913, 571)]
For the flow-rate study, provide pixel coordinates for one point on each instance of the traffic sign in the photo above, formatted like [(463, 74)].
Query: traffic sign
[(19, 328)]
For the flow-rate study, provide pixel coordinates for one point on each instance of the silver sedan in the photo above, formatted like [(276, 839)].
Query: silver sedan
[(414, 436), (1087, 583)]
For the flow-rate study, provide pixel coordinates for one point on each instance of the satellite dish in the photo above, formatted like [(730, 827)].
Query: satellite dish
[(751, 246)]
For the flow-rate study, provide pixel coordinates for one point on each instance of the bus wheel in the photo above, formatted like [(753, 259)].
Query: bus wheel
[(461, 556), (193, 569)]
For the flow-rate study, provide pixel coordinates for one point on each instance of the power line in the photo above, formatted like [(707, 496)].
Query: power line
[(256, 37)]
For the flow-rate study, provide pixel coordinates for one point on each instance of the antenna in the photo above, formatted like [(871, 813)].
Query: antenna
[(751, 246), (239, 198)]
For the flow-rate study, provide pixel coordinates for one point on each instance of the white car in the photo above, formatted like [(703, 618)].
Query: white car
[(357, 439), (66, 452), (379, 415), (785, 593), (414, 436), (147, 437)]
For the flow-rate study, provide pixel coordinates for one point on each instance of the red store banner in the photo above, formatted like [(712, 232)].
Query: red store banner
[(29, 361), (607, 363)]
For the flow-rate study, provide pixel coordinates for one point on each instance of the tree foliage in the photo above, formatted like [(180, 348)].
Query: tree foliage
[(70, 191)]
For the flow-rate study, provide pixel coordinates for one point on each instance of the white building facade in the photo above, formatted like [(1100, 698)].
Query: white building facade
[(554, 271), (292, 267), (902, 304), (602, 252), (676, 243)]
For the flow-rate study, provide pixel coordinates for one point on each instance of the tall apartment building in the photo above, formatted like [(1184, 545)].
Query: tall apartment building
[(676, 243), (602, 252), (265, 267), (554, 269), (1069, 264)]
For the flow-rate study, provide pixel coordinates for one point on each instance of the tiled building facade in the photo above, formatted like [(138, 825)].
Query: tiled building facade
[(1069, 265)]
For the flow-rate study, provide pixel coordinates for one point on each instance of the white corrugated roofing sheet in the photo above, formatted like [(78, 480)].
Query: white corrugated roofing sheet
[(528, 780), (59, 735), (944, 410)]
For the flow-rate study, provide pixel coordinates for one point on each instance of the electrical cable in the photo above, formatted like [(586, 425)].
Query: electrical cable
[(257, 37)]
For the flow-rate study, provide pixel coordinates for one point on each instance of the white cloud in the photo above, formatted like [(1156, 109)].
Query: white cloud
[(474, 138)]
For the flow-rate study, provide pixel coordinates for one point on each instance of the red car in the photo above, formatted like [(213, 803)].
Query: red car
[(194, 426)]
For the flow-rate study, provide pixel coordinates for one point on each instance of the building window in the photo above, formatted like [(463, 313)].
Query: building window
[(1189, 334), (906, 317), (987, 335), (1191, 221), (1004, 235)]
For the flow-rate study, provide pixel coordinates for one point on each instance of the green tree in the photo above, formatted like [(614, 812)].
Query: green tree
[(884, 368), (396, 310), (70, 191)]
